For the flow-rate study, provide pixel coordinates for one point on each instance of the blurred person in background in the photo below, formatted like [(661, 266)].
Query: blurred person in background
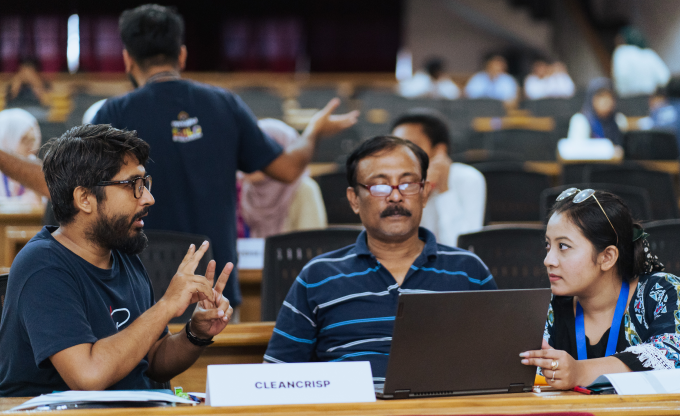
[(458, 199), (598, 117), (493, 82), (548, 81), (636, 69), (271, 207), (430, 83), (27, 87), (19, 134), (663, 114)]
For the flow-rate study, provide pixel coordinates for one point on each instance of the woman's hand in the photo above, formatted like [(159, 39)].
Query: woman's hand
[(568, 372)]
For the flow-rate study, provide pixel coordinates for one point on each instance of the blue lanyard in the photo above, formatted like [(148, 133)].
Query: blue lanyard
[(613, 331), (7, 190)]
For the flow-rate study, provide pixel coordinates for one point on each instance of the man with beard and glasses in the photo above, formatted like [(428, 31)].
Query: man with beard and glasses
[(80, 311), (342, 305)]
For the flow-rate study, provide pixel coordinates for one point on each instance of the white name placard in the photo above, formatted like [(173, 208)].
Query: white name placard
[(303, 383)]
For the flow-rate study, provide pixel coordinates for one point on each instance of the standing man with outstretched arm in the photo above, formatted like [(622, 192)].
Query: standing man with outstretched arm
[(79, 311)]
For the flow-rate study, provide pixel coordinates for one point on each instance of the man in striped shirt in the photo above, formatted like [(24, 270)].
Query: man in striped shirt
[(342, 305)]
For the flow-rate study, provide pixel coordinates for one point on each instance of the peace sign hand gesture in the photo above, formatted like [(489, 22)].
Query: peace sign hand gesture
[(212, 314)]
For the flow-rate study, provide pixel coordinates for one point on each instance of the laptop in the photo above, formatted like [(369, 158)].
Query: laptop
[(460, 343)]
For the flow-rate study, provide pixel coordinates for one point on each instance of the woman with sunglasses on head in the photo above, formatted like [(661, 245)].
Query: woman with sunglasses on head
[(613, 309)]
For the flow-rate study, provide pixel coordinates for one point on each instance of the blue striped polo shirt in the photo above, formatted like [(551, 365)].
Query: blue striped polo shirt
[(342, 305)]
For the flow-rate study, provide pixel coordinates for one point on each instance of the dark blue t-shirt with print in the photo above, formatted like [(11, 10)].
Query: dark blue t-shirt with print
[(56, 300), (200, 136)]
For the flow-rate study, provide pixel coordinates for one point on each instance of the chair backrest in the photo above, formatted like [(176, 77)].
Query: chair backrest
[(553, 107), (286, 254), (659, 185), (650, 145), (531, 144), (163, 256), (3, 291), (512, 194), (335, 149), (636, 198), (263, 102), (637, 106), (664, 241), (513, 253), (334, 192)]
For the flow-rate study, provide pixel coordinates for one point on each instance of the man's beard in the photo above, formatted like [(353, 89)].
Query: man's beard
[(114, 233)]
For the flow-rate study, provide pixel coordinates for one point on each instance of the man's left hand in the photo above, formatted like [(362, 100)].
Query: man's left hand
[(211, 316), (324, 123)]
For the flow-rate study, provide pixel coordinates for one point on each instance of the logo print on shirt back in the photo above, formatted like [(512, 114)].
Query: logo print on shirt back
[(120, 313), (186, 129)]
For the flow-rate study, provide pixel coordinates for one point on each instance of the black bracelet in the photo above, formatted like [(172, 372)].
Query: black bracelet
[(196, 340)]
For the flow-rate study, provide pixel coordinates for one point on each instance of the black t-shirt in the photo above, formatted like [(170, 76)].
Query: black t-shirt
[(56, 300), (564, 335), (199, 136)]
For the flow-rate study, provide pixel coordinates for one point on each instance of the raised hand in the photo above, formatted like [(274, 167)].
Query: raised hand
[(212, 315), (323, 123), (185, 287)]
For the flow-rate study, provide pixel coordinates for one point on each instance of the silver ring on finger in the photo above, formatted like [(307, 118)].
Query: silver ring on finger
[(553, 376)]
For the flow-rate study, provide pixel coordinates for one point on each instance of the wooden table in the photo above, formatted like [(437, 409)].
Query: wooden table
[(521, 403), (251, 292), (33, 218), (237, 344)]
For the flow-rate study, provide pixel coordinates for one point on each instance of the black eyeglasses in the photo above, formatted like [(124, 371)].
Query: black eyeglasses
[(383, 190), (582, 195), (138, 184)]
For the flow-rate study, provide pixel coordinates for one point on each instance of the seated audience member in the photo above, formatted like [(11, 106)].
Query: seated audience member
[(431, 83), (271, 207), (27, 87), (493, 82), (548, 81), (79, 311), (600, 267), (458, 199), (598, 117), (663, 115), (19, 134), (636, 69), (342, 305)]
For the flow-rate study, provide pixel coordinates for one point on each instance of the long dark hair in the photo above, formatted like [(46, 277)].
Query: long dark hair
[(590, 220)]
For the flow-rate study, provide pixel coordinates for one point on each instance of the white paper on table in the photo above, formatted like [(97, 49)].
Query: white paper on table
[(299, 383), (250, 253), (73, 396), (644, 382), (590, 149)]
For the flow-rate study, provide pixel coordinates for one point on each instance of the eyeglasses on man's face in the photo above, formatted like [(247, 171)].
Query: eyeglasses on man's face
[(138, 184), (383, 190)]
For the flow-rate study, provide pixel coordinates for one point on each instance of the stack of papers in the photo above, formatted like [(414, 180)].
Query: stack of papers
[(642, 382), (69, 398)]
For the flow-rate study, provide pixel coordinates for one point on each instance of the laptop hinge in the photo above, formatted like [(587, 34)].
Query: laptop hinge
[(402, 394), (516, 388)]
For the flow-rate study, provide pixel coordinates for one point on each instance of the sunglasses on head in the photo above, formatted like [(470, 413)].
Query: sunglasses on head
[(582, 195)]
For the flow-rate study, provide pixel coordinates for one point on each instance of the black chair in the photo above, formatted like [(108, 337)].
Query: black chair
[(636, 198), (664, 241), (513, 253), (531, 144), (484, 107), (163, 256), (3, 291), (286, 254), (336, 148), (553, 107), (637, 106), (659, 185), (49, 130), (650, 145), (512, 194), (334, 192), (262, 102)]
